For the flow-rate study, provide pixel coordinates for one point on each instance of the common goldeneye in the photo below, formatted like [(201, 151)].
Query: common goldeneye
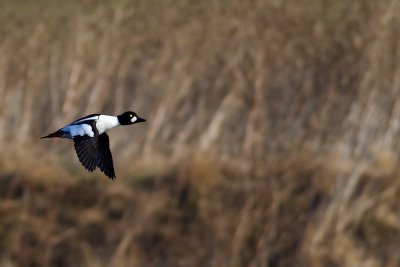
[(91, 141)]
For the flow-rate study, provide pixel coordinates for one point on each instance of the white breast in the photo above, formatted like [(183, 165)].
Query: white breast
[(105, 123)]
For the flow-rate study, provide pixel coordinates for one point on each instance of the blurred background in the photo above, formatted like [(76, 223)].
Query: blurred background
[(272, 133)]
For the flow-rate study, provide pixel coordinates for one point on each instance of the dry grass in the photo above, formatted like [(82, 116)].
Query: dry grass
[(286, 212), (272, 134)]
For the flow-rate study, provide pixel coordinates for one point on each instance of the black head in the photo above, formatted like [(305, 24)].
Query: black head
[(129, 118)]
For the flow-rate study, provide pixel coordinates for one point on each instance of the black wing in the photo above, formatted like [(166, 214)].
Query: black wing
[(104, 157), (86, 150)]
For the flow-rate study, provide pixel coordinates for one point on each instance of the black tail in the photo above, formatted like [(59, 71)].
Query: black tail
[(55, 134)]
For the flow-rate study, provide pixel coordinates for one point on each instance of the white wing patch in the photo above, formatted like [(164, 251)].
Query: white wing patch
[(134, 119), (82, 129)]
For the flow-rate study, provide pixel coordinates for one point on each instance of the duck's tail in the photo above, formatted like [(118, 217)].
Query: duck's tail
[(55, 134)]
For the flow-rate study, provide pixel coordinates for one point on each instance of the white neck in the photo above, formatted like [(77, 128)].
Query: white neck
[(106, 122)]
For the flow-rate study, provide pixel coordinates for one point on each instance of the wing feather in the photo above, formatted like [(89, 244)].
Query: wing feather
[(85, 147), (95, 152), (104, 156)]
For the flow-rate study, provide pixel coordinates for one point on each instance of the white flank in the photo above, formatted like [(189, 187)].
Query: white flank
[(134, 119), (82, 129), (87, 119), (106, 122)]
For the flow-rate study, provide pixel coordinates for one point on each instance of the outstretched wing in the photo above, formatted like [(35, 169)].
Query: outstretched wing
[(104, 157), (86, 150), (95, 152)]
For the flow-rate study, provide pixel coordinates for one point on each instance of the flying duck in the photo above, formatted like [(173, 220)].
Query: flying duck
[(91, 141)]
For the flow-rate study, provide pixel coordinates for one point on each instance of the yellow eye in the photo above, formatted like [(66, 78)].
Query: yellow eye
[(130, 115)]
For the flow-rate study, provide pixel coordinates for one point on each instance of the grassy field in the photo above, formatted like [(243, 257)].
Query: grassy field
[(272, 133)]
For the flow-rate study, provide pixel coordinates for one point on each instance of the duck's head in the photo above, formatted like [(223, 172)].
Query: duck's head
[(129, 117)]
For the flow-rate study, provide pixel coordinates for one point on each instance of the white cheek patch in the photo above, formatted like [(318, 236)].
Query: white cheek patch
[(134, 119)]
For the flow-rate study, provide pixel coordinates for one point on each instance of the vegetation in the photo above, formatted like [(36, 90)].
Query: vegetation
[(271, 137)]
